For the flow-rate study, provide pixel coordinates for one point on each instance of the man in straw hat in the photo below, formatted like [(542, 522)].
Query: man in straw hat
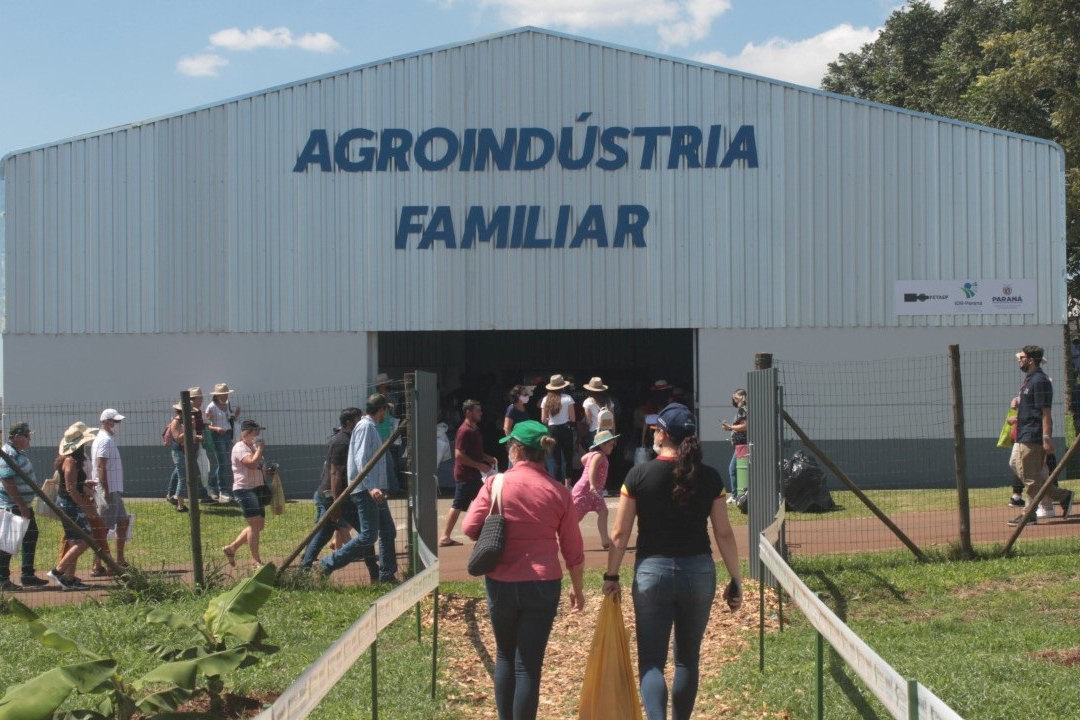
[(220, 417), (108, 473), (16, 497)]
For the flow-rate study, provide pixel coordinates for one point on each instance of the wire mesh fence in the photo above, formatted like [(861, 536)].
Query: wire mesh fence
[(298, 425), (889, 426)]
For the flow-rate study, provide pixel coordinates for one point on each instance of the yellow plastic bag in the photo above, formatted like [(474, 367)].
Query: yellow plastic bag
[(277, 495), (610, 690), (1005, 437)]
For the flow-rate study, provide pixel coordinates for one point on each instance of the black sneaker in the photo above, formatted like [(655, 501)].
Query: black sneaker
[(7, 586), (60, 580), (1016, 521), (1016, 501), (33, 581), (77, 584), (1066, 504)]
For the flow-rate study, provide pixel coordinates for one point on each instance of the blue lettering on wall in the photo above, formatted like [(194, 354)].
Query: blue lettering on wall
[(518, 227), (574, 147)]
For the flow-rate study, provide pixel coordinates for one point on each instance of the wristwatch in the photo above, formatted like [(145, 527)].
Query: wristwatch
[(611, 578)]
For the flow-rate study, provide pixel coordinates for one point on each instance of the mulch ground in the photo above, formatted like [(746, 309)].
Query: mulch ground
[(465, 633)]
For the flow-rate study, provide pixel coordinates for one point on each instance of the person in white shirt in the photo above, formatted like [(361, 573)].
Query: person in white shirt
[(108, 473), (220, 416), (560, 415)]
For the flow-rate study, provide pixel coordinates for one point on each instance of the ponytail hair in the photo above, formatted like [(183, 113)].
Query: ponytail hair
[(539, 454), (685, 471), (553, 404)]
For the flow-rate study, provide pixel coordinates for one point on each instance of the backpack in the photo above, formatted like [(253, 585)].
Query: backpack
[(605, 419)]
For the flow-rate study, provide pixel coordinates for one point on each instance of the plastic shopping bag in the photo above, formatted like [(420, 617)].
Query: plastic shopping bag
[(610, 689), (50, 488), (1005, 438), (277, 495), (12, 530)]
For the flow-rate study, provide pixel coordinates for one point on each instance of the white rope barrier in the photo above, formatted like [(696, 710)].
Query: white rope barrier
[(887, 685), (304, 695)]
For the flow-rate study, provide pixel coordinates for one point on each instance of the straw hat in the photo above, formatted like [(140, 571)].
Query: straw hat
[(558, 382), (221, 389), (596, 385), (75, 437), (382, 379), (602, 437), (195, 391)]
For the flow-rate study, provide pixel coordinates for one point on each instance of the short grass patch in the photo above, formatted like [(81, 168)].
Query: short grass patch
[(994, 638)]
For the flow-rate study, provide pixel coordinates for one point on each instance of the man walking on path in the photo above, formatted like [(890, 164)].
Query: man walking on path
[(108, 472), (1034, 430), (332, 483), (368, 496), (470, 465), (15, 497)]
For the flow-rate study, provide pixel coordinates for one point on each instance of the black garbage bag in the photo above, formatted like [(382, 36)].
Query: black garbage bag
[(804, 485)]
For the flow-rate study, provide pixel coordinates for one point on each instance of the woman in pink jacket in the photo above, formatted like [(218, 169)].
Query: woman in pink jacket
[(523, 590)]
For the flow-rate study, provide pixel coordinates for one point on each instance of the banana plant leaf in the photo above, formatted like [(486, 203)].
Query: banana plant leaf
[(170, 619), (183, 673), (234, 612), (46, 635), (38, 698)]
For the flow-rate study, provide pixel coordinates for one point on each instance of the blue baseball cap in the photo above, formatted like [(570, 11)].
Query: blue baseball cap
[(677, 421)]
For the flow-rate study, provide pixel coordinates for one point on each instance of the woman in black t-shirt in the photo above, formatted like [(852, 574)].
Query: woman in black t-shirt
[(674, 498)]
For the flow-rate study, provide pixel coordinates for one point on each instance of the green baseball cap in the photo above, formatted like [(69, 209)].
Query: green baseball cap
[(528, 433)]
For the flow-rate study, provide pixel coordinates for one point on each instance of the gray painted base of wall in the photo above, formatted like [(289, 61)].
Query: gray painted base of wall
[(897, 464)]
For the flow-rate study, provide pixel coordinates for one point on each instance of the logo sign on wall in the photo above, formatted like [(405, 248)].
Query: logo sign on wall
[(964, 297)]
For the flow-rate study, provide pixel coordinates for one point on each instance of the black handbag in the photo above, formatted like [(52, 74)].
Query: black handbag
[(489, 547)]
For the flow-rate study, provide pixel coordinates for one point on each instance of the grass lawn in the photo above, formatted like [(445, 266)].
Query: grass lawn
[(302, 622), (995, 639)]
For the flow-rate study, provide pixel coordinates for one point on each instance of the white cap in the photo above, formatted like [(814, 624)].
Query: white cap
[(110, 414)]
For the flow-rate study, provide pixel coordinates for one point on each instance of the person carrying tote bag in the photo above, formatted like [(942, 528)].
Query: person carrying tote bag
[(525, 585)]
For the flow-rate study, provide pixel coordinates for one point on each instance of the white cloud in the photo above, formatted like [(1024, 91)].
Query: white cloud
[(678, 22), (803, 62), (277, 38), (202, 65)]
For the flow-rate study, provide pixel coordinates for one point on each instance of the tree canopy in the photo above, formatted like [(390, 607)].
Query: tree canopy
[(1009, 64)]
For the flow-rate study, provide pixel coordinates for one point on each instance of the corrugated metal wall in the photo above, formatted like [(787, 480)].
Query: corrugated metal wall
[(197, 223)]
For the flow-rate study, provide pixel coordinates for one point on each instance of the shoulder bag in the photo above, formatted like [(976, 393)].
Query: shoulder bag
[(489, 547)]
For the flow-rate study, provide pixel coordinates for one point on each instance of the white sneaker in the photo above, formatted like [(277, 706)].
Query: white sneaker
[(1044, 513), (730, 499)]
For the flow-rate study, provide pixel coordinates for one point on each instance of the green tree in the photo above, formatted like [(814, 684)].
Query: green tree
[(1009, 64)]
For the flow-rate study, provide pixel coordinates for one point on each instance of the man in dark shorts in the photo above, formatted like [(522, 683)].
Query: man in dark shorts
[(470, 465)]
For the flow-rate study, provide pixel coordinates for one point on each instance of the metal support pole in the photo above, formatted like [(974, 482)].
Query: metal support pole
[(434, 639), (819, 646), (191, 470), (960, 451), (415, 562), (761, 618), (375, 678), (912, 699)]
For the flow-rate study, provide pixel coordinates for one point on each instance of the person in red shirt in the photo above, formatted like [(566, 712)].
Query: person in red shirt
[(524, 589), (470, 465)]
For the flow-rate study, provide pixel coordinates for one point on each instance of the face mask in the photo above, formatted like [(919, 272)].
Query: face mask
[(734, 402)]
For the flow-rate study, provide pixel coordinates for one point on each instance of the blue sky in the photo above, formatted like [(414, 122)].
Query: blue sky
[(68, 67)]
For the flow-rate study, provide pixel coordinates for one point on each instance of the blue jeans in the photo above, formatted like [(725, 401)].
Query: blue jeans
[(364, 516), (178, 479), (221, 478), (348, 514), (29, 547), (671, 591), (732, 484), (522, 614)]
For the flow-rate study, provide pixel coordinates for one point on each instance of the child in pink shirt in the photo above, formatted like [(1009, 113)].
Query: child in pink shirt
[(588, 493)]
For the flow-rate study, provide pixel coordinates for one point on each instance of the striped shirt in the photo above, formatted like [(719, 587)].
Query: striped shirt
[(6, 473)]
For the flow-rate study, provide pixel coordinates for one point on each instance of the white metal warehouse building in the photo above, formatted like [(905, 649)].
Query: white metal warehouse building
[(462, 208)]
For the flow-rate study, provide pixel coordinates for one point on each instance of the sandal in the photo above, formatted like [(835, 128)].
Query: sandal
[(230, 555), (99, 572), (448, 542)]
